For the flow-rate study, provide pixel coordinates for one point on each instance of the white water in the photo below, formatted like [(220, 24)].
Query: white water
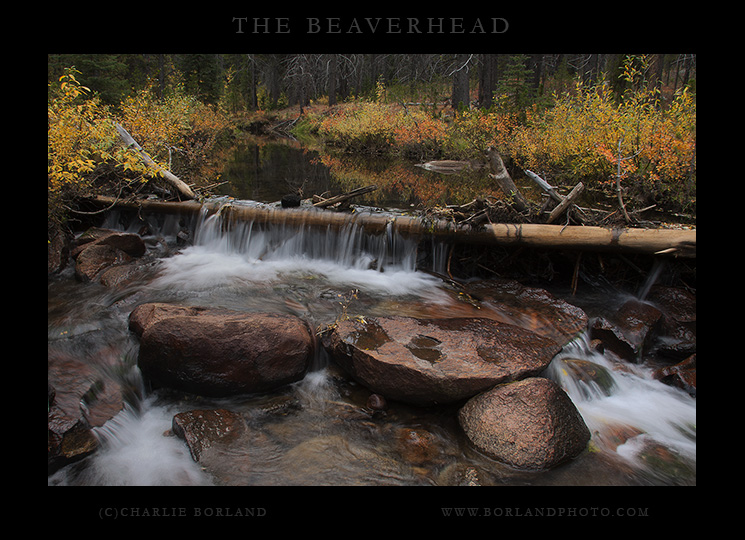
[(136, 451), (251, 255), (643, 407)]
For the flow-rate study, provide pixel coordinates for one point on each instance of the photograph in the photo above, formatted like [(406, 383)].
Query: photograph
[(303, 254)]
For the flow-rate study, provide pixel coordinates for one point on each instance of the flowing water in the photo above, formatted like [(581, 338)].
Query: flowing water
[(319, 431)]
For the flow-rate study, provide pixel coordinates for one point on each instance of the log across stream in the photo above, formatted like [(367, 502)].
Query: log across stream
[(670, 242)]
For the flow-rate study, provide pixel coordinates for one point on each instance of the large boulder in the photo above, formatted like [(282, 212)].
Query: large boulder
[(220, 352), (431, 361), (529, 424)]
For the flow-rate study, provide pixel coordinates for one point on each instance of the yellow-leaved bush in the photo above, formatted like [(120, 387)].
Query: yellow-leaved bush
[(80, 136), (83, 141), (587, 136)]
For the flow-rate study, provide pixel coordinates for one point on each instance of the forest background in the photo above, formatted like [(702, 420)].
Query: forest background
[(603, 119)]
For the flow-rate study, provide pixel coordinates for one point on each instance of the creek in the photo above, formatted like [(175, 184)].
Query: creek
[(644, 431)]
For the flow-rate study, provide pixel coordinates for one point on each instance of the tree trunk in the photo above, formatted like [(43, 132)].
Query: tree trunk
[(504, 180), (650, 241), (333, 64), (461, 97), (178, 184), (487, 80)]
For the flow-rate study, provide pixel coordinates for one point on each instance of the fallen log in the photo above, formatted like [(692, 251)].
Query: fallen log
[(324, 203), (448, 166), (175, 182), (671, 242)]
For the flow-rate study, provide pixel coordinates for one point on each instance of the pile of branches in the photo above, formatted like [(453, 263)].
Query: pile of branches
[(555, 208)]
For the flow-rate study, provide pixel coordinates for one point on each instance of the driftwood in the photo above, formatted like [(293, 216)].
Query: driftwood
[(545, 186), (677, 242), (566, 202), (448, 166), (504, 180), (179, 185), (325, 203)]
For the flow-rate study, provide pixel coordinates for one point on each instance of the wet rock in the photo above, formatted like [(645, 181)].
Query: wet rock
[(78, 399), (203, 429), (681, 375), (117, 276), (416, 445), (430, 361), (58, 250), (291, 200), (529, 424), (130, 243), (678, 329), (376, 402), (459, 474), (99, 249), (631, 331), (220, 352), (594, 380), (95, 259), (335, 460), (530, 308)]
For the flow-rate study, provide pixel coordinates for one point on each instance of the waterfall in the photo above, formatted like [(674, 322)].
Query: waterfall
[(226, 253)]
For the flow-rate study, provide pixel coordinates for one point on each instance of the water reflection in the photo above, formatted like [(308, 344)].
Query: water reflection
[(263, 170)]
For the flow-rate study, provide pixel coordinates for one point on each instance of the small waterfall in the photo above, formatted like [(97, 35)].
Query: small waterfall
[(231, 253), (657, 267), (625, 408)]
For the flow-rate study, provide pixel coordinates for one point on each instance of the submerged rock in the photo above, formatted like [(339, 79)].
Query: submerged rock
[(530, 308), (435, 361), (203, 429), (220, 352), (529, 424), (417, 445)]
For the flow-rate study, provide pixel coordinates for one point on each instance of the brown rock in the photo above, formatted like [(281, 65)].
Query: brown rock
[(681, 375), (130, 243), (219, 352), (202, 429), (417, 446), (531, 308), (529, 424), (94, 259), (428, 361), (78, 399), (631, 331)]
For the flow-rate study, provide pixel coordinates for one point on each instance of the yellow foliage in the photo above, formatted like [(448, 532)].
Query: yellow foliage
[(82, 136), (586, 134)]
